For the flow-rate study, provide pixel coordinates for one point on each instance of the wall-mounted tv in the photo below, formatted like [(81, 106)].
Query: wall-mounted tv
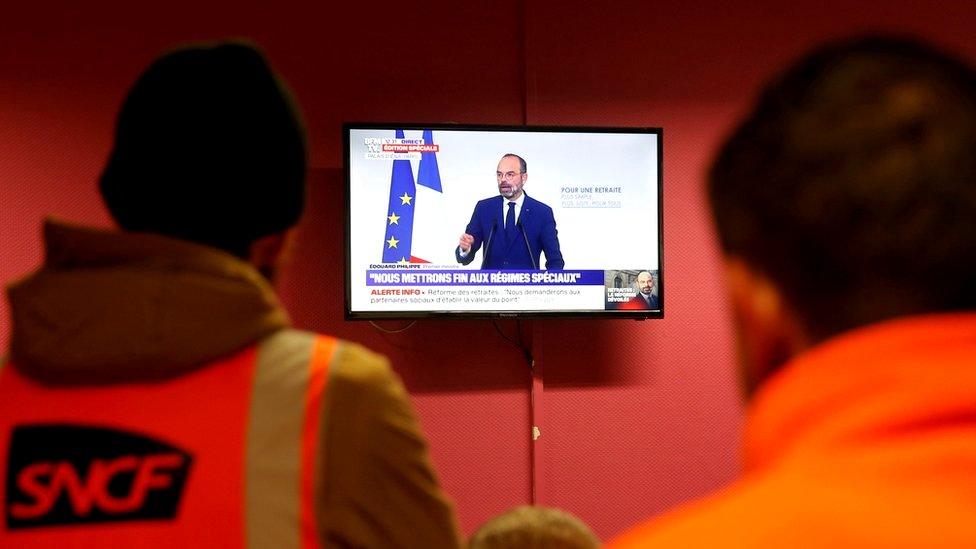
[(503, 221)]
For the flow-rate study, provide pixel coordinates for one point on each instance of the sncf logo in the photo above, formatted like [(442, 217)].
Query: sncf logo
[(69, 474)]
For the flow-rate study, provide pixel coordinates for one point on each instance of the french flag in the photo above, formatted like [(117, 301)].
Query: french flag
[(406, 231)]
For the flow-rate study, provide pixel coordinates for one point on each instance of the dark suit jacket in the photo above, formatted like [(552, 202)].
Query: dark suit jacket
[(638, 303), (535, 233)]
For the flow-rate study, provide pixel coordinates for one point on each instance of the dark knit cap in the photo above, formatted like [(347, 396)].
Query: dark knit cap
[(209, 148)]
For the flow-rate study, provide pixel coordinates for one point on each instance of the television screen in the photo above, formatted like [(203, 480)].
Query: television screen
[(492, 221)]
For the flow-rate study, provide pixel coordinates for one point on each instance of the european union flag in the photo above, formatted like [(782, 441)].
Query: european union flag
[(399, 221)]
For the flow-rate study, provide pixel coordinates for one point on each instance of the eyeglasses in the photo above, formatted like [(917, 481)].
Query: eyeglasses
[(507, 175)]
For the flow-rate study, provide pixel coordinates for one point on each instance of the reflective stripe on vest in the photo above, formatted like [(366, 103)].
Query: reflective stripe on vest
[(221, 457)]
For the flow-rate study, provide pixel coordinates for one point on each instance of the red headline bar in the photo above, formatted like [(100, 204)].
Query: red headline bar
[(398, 148)]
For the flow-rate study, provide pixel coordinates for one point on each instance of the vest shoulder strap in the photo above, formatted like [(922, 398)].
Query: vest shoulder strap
[(284, 427)]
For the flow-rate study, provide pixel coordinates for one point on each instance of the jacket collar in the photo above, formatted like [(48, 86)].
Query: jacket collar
[(111, 306), (894, 378)]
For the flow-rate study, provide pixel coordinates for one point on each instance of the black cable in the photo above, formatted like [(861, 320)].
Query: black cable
[(519, 343), (385, 331), (526, 349), (505, 337)]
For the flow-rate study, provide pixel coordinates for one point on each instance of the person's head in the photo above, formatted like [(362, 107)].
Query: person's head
[(511, 175), (645, 282), (848, 196), (528, 527), (210, 148)]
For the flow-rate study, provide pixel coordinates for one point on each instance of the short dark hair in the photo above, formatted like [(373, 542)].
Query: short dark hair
[(852, 184), (523, 167), (209, 147), (532, 527)]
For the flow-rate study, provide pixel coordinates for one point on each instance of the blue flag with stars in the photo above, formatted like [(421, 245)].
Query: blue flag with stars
[(399, 221)]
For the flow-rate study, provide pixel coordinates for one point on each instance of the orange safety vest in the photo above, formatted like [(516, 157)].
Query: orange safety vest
[(865, 440), (221, 457)]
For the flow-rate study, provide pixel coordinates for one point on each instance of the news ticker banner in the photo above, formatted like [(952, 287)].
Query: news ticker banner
[(411, 289)]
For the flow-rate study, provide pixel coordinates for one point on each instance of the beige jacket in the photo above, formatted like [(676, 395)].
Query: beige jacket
[(111, 307)]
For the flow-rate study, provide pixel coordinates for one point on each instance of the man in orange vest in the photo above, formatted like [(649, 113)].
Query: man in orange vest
[(155, 394), (846, 206)]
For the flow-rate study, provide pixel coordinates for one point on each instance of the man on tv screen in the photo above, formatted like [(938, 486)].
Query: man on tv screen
[(645, 298), (514, 227)]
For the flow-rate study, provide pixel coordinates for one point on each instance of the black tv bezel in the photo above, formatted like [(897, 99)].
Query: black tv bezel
[(499, 314)]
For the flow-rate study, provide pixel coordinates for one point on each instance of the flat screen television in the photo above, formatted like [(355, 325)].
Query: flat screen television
[(503, 221)]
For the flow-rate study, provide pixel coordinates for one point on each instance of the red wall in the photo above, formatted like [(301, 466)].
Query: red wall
[(635, 416)]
